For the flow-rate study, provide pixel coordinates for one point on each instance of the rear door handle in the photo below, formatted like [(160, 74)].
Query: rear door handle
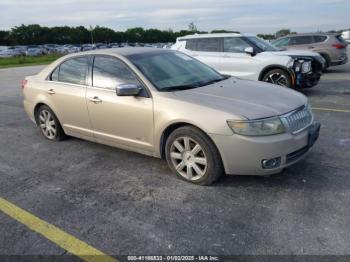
[(51, 92), (95, 99)]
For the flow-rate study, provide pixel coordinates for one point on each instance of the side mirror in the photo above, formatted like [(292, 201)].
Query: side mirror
[(128, 90), (249, 50)]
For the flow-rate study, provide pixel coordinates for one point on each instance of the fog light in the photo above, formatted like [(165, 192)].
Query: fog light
[(271, 163)]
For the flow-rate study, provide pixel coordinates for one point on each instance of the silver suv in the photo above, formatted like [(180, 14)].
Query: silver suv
[(331, 46)]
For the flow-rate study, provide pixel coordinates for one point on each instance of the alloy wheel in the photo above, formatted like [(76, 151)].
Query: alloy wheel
[(188, 158), (277, 79), (47, 124)]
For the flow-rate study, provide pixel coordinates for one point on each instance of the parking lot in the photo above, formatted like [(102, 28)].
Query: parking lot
[(124, 203)]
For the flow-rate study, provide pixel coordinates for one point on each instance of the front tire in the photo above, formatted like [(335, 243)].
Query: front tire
[(192, 156), (278, 77), (49, 125)]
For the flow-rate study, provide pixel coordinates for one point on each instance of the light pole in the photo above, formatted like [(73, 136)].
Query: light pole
[(91, 35)]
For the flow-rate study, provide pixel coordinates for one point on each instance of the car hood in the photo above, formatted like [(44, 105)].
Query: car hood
[(244, 98), (294, 53)]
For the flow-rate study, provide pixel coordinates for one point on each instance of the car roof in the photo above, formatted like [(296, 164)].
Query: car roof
[(311, 34), (212, 35), (123, 51)]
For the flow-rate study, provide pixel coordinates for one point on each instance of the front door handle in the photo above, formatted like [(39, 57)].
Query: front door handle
[(51, 92), (95, 99)]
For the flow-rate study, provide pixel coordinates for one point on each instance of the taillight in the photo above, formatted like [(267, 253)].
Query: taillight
[(23, 83), (339, 46)]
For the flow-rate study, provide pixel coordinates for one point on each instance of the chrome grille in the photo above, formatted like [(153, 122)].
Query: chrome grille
[(299, 119)]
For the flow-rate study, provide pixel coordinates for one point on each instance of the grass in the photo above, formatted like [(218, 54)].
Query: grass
[(27, 61)]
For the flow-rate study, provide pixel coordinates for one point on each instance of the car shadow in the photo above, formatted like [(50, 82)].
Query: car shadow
[(305, 175)]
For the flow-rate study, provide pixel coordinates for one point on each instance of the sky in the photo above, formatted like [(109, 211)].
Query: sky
[(248, 16)]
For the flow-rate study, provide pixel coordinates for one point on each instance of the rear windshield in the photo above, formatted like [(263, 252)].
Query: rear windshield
[(341, 39)]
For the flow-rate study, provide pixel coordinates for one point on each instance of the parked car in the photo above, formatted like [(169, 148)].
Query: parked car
[(87, 47), (21, 49), (101, 46), (332, 47), (51, 48), (69, 49), (346, 36), (167, 104), (250, 57), (34, 51), (10, 51)]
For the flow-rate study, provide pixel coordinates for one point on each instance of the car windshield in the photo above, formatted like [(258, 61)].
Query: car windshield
[(262, 44), (170, 71)]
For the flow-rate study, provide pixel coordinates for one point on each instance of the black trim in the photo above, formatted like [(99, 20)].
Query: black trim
[(296, 154)]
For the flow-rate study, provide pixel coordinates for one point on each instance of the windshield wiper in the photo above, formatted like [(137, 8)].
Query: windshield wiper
[(214, 81), (176, 88)]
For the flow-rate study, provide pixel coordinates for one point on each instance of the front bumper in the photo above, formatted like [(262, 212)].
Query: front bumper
[(308, 80), (243, 155)]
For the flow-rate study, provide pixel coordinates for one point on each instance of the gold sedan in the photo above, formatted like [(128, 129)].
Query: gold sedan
[(166, 104)]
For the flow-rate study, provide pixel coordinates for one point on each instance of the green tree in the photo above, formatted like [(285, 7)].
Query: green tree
[(4, 37), (266, 36), (282, 32), (134, 35), (103, 34), (223, 31)]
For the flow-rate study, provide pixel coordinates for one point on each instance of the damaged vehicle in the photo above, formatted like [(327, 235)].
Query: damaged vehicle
[(249, 57), (166, 104)]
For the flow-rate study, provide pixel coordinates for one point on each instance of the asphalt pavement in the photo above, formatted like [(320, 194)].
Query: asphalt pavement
[(124, 203)]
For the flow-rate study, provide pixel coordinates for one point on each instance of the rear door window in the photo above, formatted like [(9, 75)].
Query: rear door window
[(302, 40), (74, 70), (341, 39), (320, 38), (191, 44), (208, 45)]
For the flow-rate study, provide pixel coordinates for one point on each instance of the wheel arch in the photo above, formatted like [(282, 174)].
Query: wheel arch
[(173, 126), (276, 66), (36, 108)]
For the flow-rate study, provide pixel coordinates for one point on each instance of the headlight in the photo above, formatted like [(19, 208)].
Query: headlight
[(306, 67), (290, 63), (261, 127)]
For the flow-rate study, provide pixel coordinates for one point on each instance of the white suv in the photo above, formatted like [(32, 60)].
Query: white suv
[(250, 57)]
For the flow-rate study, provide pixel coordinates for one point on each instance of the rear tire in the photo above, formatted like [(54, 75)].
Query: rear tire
[(192, 156), (278, 77), (49, 125)]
